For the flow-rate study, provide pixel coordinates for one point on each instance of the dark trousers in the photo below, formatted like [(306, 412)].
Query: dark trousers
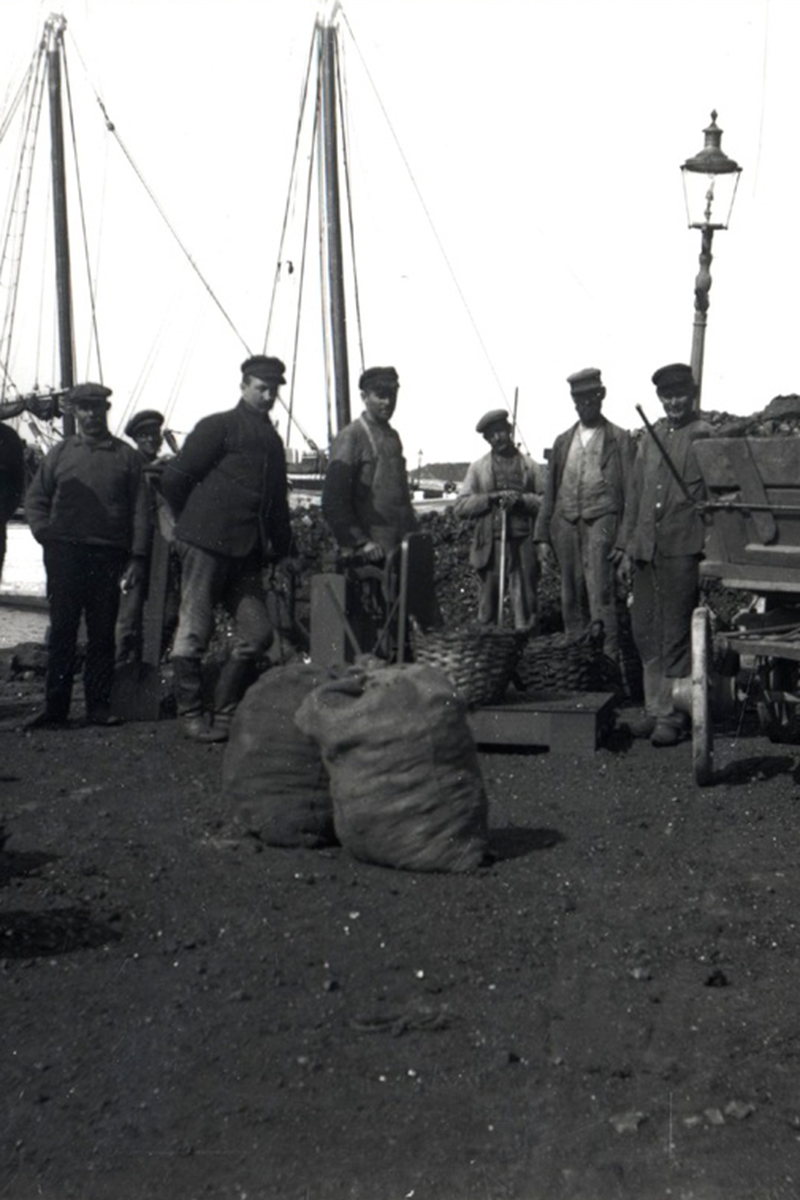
[(522, 576), (81, 581), (664, 596)]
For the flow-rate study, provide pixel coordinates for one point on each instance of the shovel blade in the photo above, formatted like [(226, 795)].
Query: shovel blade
[(136, 692)]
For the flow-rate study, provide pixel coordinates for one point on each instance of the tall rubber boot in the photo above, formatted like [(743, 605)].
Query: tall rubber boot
[(234, 679), (188, 698)]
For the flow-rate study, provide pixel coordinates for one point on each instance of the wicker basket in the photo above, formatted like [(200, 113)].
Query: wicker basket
[(478, 661), (556, 664)]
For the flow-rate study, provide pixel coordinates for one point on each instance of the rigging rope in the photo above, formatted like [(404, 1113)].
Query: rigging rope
[(346, 163), (21, 90), (292, 177), (35, 88), (110, 126), (303, 257), (428, 216), (324, 284), (82, 210)]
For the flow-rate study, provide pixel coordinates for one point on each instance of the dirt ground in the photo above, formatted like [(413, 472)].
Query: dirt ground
[(607, 1011)]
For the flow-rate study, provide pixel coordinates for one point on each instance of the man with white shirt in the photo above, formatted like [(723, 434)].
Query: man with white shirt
[(581, 513)]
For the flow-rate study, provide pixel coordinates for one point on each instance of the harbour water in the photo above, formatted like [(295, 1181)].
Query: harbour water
[(23, 615)]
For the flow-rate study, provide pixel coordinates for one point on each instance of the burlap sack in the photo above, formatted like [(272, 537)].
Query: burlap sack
[(404, 775), (273, 779)]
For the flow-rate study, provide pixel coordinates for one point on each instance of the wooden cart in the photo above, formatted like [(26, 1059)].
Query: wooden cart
[(753, 543)]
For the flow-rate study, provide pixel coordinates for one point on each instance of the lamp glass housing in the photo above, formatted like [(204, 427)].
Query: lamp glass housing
[(710, 180), (709, 198)]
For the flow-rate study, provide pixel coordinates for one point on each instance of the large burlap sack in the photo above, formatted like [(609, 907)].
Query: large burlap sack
[(404, 775), (273, 779)]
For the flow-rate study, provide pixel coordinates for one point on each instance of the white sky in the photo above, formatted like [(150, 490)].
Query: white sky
[(545, 138)]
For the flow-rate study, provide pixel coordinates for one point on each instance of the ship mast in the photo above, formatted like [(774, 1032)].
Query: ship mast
[(54, 35), (330, 214)]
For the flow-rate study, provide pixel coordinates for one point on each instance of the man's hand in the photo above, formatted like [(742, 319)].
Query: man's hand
[(624, 573), (506, 499), (371, 552), (131, 576), (546, 556)]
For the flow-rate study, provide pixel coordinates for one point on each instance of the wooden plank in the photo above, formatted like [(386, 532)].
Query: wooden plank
[(751, 487), (752, 578)]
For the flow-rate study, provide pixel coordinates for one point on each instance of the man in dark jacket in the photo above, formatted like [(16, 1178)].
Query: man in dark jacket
[(504, 487), (582, 510), (663, 536), (87, 506), (228, 491)]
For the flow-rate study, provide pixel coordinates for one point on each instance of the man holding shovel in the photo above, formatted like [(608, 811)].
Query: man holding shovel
[(501, 493), (663, 536)]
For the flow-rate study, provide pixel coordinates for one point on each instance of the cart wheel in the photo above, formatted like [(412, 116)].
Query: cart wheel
[(702, 729)]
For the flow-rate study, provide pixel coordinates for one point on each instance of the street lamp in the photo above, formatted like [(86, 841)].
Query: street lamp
[(710, 180)]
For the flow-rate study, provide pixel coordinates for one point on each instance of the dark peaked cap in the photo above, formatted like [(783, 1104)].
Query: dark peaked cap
[(89, 393), (378, 377), (673, 373), (491, 418), (588, 380), (268, 370), (148, 416)]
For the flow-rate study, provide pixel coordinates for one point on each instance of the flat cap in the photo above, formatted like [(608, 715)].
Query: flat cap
[(378, 377), (148, 416), (89, 393), (672, 374), (268, 370), (491, 418), (587, 380)]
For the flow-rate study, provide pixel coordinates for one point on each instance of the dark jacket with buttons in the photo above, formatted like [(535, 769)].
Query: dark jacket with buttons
[(227, 487), (659, 517)]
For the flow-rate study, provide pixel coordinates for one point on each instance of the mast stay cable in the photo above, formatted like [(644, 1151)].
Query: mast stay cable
[(351, 225), (301, 282), (427, 213), (19, 205), (82, 210), (110, 126)]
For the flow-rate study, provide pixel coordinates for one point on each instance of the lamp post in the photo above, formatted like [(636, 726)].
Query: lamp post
[(710, 180)]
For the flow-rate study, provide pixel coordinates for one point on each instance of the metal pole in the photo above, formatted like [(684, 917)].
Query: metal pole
[(702, 286), (55, 30), (333, 225)]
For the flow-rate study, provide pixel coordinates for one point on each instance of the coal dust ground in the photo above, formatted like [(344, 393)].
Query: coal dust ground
[(609, 1010)]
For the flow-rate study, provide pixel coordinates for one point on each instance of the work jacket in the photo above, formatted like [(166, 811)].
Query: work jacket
[(473, 501), (659, 516), (366, 496), (227, 487)]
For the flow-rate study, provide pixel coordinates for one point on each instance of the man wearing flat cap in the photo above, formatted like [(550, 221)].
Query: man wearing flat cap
[(366, 499), (582, 510), (663, 537), (145, 429), (503, 488), (88, 507), (227, 489)]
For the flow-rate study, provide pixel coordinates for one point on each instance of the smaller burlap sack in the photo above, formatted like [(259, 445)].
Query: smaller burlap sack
[(404, 774), (273, 779)]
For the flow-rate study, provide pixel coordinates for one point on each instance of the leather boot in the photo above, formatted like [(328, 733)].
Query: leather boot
[(234, 679), (188, 699)]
